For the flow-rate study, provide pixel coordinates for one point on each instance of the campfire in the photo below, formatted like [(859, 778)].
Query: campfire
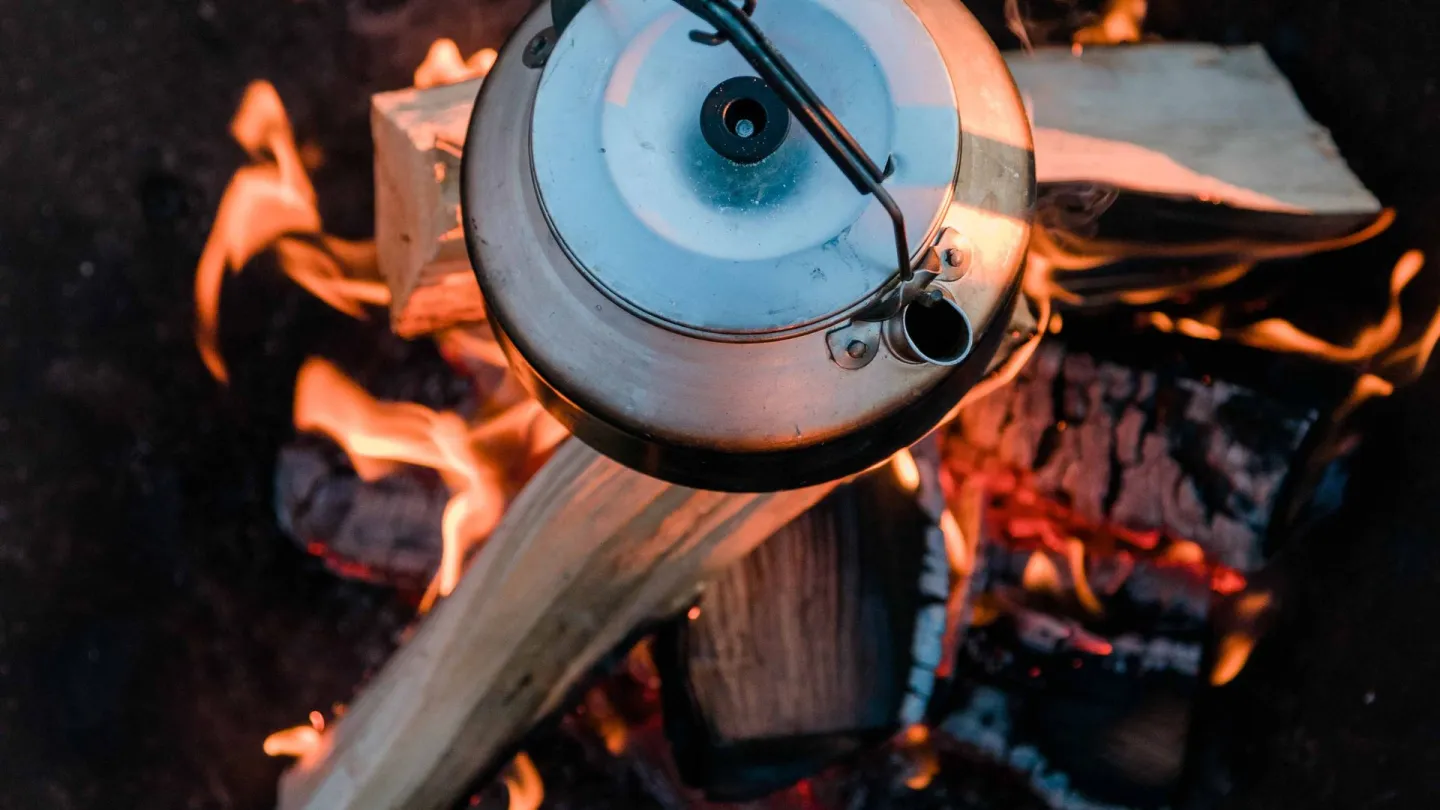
[(1024, 607)]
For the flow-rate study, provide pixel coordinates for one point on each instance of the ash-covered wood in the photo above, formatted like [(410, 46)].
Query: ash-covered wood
[(1124, 490), (1200, 459)]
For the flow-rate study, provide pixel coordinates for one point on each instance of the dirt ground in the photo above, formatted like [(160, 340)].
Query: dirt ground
[(154, 623)]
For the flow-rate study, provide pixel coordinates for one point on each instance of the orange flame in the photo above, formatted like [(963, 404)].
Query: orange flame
[(1075, 555), (1279, 335), (1236, 645), (298, 741), (1367, 387), (523, 782), (444, 65), (919, 753), (959, 550), (906, 470), (1041, 575), (271, 203), (606, 721), (1121, 22), (379, 435)]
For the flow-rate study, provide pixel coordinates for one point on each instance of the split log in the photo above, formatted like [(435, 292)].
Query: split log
[(589, 551), (1164, 122), (816, 645), (419, 136), (1184, 119)]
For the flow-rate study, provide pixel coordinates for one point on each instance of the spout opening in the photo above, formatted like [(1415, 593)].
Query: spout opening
[(936, 332)]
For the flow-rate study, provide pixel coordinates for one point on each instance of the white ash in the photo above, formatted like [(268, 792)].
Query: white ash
[(985, 724)]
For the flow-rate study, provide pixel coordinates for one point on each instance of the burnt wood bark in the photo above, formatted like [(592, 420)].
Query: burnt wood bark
[(1131, 451), (1144, 447)]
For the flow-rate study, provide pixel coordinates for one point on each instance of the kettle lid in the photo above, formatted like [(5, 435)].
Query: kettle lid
[(639, 144), (717, 284)]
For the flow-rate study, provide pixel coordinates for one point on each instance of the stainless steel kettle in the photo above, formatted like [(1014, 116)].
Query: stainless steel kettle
[(749, 248)]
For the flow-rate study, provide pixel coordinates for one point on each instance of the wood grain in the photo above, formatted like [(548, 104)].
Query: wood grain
[(1192, 119), (587, 552)]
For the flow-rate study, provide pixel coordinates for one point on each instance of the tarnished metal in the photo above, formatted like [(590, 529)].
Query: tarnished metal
[(599, 269), (855, 344)]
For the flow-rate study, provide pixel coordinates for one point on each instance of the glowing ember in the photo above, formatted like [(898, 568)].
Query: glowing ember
[(1183, 552), (444, 65), (906, 470), (379, 435), (1025, 517), (271, 204)]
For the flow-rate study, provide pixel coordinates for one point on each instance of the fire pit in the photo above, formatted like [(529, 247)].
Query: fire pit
[(1129, 573)]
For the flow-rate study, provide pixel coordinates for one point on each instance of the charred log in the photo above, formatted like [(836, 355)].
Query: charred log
[(1126, 492)]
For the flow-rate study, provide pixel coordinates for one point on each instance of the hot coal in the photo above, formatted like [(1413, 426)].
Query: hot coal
[(1123, 493)]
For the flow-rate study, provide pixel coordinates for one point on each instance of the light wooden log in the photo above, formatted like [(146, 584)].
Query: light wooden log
[(1191, 119), (816, 646), (419, 135), (588, 551), (1220, 124)]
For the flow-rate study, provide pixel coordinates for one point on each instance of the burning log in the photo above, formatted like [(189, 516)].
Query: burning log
[(1152, 128), (1126, 493), (1167, 450), (588, 551)]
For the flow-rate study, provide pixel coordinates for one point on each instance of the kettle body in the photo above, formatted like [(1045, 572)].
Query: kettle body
[(684, 268)]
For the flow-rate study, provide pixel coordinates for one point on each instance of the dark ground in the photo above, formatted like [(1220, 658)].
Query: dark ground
[(154, 623)]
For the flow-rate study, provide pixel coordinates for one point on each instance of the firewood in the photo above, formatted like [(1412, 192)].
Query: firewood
[(588, 551), (813, 647), (1157, 471), (1193, 121), (385, 531), (1188, 119), (419, 135), (1153, 442)]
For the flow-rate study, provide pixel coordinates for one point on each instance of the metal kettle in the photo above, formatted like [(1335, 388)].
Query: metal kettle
[(749, 248)]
